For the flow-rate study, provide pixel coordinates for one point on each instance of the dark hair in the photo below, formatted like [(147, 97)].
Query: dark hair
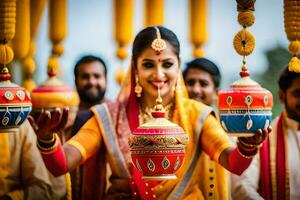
[(205, 65), (145, 37), (286, 78), (89, 59)]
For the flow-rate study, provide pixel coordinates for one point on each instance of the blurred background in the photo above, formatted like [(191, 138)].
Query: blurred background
[(90, 30)]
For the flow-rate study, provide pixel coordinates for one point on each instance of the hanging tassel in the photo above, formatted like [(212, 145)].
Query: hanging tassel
[(21, 41), (246, 18), (291, 25), (6, 54), (294, 65), (53, 66), (7, 29)]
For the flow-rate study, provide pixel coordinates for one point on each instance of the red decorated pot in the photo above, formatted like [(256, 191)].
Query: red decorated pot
[(53, 93), (158, 148), (15, 103), (245, 107)]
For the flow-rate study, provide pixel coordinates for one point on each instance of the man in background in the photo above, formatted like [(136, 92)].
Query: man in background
[(91, 81), (202, 79), (276, 174)]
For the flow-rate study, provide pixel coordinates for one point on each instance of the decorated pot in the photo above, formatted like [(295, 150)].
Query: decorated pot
[(15, 103), (53, 93), (158, 148), (245, 107)]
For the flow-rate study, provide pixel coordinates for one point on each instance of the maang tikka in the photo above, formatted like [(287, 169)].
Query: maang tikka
[(158, 44)]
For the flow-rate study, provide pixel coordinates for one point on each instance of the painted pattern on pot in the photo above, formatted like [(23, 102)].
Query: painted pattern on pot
[(245, 107)]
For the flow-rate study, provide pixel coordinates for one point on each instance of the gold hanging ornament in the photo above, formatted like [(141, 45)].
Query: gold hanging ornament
[(292, 29), (123, 31), (154, 12), (7, 29), (198, 21)]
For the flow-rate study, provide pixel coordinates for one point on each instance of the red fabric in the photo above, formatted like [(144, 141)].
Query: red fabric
[(280, 162), (265, 177), (237, 163), (56, 161)]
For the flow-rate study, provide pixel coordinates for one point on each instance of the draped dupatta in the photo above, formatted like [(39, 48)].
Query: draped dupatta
[(274, 177), (186, 114)]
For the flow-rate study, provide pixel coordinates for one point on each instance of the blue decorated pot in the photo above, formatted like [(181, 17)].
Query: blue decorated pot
[(245, 107), (15, 103)]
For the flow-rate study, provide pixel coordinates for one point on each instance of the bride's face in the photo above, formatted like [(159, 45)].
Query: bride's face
[(157, 71)]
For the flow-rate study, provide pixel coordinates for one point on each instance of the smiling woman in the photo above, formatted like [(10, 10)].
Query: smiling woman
[(153, 68)]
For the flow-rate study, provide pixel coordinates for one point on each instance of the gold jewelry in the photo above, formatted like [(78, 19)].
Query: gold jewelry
[(138, 88), (47, 141), (158, 44), (145, 113), (49, 149)]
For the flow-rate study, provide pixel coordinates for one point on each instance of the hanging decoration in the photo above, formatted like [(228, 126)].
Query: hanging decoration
[(154, 12), (158, 146), (198, 24), (292, 29), (53, 92), (58, 31), (15, 103), (245, 107), (21, 40), (123, 30), (36, 10)]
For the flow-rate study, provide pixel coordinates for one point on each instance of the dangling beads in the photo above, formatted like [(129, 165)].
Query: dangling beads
[(244, 41), (292, 29)]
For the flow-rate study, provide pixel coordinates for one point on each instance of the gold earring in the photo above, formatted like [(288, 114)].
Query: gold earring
[(138, 88)]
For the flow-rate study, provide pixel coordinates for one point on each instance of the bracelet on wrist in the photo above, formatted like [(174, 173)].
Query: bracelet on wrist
[(247, 153), (49, 141), (47, 147), (247, 145)]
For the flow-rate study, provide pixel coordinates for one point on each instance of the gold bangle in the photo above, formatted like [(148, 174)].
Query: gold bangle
[(246, 152), (246, 145), (52, 140), (47, 149), (245, 156)]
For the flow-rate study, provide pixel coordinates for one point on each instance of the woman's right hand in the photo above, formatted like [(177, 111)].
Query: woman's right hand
[(46, 122)]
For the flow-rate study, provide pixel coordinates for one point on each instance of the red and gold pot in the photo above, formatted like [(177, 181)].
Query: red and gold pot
[(245, 107), (15, 103), (158, 148)]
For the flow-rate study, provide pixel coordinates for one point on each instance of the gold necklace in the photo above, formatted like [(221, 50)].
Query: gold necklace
[(145, 113)]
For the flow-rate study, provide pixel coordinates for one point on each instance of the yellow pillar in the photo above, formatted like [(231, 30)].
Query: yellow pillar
[(154, 12), (198, 24)]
